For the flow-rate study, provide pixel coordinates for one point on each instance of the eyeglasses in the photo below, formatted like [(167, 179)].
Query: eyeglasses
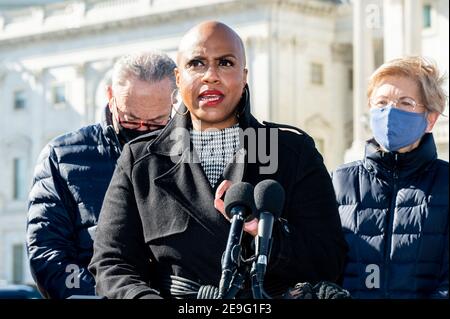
[(405, 103), (137, 124)]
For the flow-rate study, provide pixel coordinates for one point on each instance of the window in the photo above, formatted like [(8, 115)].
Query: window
[(19, 168), (17, 264), (20, 100), (316, 73), (59, 95), (427, 16)]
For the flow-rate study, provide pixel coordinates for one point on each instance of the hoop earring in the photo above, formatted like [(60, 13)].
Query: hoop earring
[(244, 99), (182, 114), (174, 101)]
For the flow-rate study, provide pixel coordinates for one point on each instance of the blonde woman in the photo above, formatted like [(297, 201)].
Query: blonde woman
[(393, 203)]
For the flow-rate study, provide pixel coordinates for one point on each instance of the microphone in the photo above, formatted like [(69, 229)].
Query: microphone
[(239, 204), (269, 201)]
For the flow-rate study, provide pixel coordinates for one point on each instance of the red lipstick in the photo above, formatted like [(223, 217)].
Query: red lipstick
[(210, 97)]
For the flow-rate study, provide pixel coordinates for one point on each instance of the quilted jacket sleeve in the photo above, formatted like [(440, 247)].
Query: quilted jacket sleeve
[(50, 234)]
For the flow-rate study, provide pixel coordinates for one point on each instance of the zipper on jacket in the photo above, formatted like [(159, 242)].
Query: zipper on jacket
[(389, 228)]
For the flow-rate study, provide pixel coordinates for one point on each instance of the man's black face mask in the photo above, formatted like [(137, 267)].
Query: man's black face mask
[(126, 134)]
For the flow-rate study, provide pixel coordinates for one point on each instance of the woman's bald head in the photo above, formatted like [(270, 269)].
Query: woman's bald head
[(196, 38), (211, 74)]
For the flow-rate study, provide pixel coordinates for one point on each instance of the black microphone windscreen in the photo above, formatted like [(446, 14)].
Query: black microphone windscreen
[(240, 194), (269, 197)]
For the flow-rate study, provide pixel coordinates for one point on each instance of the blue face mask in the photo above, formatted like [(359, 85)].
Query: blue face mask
[(394, 129)]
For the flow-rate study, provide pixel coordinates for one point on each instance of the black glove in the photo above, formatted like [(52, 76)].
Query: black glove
[(329, 290), (322, 290), (302, 290)]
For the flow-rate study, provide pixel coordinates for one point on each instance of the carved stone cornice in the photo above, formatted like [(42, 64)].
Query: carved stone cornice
[(256, 41), (261, 42), (10, 68), (80, 69), (37, 74), (296, 42), (84, 25), (315, 8), (342, 52)]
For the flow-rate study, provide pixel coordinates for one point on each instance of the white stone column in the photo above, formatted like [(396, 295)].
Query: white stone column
[(38, 111), (97, 81), (79, 93), (394, 41), (402, 28), (338, 112), (92, 78), (285, 106), (259, 78), (413, 27), (362, 68)]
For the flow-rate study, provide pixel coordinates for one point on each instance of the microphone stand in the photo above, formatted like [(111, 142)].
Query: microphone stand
[(257, 284), (257, 274), (241, 269), (231, 258), (239, 203), (236, 283)]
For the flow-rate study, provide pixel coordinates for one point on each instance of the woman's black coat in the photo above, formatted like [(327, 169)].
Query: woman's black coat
[(158, 217)]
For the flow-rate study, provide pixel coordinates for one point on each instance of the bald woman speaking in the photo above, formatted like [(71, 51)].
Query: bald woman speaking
[(162, 228)]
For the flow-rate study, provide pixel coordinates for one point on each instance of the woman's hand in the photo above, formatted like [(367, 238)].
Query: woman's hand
[(250, 227)]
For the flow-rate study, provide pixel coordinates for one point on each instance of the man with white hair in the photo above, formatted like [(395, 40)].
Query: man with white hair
[(74, 171)]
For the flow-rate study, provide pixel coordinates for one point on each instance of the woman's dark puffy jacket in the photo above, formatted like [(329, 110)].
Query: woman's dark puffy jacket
[(394, 212)]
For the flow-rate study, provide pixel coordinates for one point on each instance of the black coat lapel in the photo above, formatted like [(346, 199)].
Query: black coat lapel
[(187, 185), (235, 170), (186, 182)]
